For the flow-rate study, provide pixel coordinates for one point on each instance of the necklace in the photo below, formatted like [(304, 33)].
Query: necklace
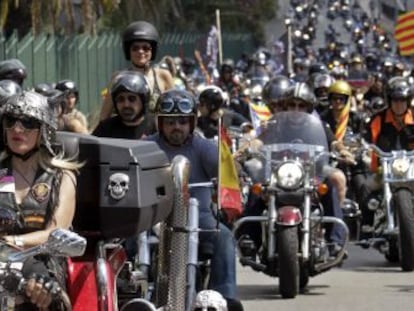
[(22, 176)]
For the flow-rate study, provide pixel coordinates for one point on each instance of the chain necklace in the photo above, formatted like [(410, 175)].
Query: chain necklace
[(24, 177)]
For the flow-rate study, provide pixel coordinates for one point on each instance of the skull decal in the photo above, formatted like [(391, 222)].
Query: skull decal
[(209, 300), (118, 185)]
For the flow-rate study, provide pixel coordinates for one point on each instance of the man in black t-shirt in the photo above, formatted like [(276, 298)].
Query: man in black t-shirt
[(130, 93)]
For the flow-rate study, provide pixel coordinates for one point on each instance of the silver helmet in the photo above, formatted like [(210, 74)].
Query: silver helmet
[(32, 105), (209, 299)]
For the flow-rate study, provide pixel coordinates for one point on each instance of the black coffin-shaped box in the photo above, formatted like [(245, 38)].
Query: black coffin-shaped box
[(124, 187)]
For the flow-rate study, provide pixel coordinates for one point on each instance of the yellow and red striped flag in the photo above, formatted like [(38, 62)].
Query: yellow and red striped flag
[(343, 121), (258, 114), (404, 33), (229, 186)]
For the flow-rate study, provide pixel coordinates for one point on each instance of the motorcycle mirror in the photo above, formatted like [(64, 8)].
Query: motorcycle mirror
[(64, 242), (61, 242)]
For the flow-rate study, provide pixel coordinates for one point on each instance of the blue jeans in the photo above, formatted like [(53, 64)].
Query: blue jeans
[(334, 232), (223, 260)]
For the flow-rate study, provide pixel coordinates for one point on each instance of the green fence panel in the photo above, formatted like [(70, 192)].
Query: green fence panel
[(102, 75), (39, 59), (2, 48), (11, 46), (93, 73), (91, 61), (82, 79), (25, 54), (51, 59)]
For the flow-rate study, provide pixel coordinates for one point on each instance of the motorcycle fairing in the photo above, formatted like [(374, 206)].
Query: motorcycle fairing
[(298, 136)]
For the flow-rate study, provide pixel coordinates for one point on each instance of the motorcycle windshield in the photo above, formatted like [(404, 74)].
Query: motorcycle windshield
[(296, 135)]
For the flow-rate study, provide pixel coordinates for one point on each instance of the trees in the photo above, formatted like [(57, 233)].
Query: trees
[(92, 16)]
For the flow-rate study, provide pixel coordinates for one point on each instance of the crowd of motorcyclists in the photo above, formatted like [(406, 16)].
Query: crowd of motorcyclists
[(360, 92)]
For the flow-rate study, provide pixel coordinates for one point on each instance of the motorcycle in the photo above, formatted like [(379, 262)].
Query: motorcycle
[(287, 172), (392, 205), (61, 242), (113, 203)]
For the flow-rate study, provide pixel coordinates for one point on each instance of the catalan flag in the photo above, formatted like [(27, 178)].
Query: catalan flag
[(229, 186), (259, 113), (404, 33), (343, 122)]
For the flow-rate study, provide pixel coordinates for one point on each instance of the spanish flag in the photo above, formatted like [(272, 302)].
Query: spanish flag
[(404, 33), (229, 187)]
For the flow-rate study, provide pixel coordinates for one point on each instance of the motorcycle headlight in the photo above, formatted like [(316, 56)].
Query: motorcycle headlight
[(400, 167), (289, 175)]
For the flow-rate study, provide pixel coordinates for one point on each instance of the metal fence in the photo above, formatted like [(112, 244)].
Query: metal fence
[(90, 61)]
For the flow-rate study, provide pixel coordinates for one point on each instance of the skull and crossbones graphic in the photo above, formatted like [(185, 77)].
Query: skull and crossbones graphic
[(118, 185)]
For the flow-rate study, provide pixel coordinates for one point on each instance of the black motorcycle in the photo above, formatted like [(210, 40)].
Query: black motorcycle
[(288, 172)]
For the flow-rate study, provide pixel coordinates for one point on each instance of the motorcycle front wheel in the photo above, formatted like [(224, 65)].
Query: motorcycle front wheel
[(288, 263), (405, 212)]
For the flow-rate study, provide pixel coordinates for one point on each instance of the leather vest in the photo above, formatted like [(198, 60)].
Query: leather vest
[(35, 210)]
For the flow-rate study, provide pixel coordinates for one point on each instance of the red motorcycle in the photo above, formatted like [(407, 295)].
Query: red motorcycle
[(124, 188)]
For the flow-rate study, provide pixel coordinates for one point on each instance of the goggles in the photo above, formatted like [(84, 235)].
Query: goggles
[(183, 105), (10, 122)]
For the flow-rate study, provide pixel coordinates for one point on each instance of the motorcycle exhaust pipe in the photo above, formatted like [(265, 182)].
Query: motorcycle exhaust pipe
[(173, 248)]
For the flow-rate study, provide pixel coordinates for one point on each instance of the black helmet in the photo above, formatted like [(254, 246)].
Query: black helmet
[(13, 69), (322, 81), (67, 86), (57, 101), (317, 68), (8, 88), (300, 90), (136, 31), (275, 89), (43, 88), (175, 102), (377, 103), (213, 97), (131, 81), (398, 87)]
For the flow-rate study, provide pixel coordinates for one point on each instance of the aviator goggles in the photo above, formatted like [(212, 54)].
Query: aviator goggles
[(183, 105)]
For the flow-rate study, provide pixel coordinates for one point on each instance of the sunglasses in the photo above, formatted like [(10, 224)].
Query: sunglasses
[(10, 122), (122, 98), (139, 47), (277, 105), (341, 98), (297, 105), (176, 120), (182, 105)]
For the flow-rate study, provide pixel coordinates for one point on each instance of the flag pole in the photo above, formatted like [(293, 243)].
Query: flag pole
[(220, 46), (219, 165)]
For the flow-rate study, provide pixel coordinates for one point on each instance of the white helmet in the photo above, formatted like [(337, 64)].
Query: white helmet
[(208, 299)]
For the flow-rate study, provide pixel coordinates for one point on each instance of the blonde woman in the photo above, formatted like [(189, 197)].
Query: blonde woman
[(37, 190)]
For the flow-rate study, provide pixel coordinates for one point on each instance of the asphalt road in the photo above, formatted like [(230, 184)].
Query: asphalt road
[(365, 282)]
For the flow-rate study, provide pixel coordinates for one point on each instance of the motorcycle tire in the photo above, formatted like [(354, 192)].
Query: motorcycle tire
[(304, 277), (405, 214), (288, 265), (392, 254)]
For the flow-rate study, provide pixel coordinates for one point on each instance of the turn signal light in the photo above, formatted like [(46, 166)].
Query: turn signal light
[(257, 189), (322, 189)]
